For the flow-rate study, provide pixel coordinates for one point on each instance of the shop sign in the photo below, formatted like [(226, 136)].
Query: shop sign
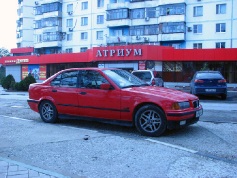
[(118, 52), (17, 61)]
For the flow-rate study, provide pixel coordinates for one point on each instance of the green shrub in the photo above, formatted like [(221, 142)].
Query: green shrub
[(8, 82), (24, 84)]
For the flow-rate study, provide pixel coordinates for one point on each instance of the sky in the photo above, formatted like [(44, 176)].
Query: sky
[(8, 17)]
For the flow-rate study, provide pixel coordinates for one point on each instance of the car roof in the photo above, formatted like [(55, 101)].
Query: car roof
[(90, 68), (208, 71)]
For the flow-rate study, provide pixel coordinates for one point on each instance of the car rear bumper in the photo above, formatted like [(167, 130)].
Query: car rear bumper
[(210, 90), (33, 104)]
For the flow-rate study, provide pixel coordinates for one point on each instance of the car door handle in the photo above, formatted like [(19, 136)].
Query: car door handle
[(83, 93), (54, 90)]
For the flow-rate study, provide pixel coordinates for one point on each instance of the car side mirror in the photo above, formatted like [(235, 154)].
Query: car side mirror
[(105, 86)]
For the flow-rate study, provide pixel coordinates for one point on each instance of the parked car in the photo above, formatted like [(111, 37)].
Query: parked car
[(150, 77), (114, 96), (209, 83)]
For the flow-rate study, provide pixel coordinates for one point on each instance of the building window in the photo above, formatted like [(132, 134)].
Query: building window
[(38, 10), (83, 49), (151, 30), (51, 22), (69, 8), (220, 27), (100, 3), (220, 8), (51, 7), (151, 12), (172, 9), (69, 50), (51, 36), (197, 28), (84, 21), (69, 22), (100, 19), (84, 36), (138, 13), (117, 14), (99, 35), (84, 5), (220, 45), (172, 27), (197, 11), (197, 45), (69, 37)]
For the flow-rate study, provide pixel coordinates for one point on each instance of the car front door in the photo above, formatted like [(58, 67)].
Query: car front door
[(95, 102)]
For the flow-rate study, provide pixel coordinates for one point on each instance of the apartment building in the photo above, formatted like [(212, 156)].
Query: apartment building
[(50, 27)]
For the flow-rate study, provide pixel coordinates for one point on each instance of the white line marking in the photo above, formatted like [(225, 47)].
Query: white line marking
[(173, 146), (16, 118), (17, 106)]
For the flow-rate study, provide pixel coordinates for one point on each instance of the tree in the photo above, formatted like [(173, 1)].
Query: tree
[(4, 52), (2, 73)]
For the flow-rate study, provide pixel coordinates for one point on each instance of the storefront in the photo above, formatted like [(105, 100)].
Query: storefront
[(175, 65)]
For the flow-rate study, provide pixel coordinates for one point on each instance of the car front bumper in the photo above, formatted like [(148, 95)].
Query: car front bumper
[(182, 119)]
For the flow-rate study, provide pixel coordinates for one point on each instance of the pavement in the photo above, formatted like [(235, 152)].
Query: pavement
[(13, 169)]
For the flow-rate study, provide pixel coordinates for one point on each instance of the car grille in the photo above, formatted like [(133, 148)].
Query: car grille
[(196, 103)]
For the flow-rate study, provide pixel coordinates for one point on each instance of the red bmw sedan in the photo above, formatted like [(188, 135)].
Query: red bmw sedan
[(113, 96)]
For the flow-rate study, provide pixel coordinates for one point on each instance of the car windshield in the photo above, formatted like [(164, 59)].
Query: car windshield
[(124, 79)]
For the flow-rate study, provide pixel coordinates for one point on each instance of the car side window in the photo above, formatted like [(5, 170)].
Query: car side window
[(66, 79), (91, 79)]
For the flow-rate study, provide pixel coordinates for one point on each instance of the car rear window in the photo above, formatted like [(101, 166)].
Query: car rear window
[(208, 75)]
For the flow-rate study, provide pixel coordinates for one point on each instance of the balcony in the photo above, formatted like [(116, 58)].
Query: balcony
[(132, 39), (118, 39), (172, 37), (46, 44), (172, 18), (118, 23), (120, 5)]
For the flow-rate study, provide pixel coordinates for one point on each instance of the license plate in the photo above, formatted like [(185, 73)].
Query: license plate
[(199, 113), (210, 90)]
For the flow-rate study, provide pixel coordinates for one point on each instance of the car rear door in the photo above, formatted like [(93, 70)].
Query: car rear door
[(64, 92), (95, 102)]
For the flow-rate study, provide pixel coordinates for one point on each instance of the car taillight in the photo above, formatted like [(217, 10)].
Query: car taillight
[(222, 81), (153, 82), (199, 81)]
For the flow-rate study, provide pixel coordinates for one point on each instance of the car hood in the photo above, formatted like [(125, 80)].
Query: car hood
[(163, 92)]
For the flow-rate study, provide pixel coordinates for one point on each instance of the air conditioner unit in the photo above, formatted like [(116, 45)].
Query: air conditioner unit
[(70, 12), (36, 3), (147, 18), (70, 29), (189, 29), (146, 39), (137, 37)]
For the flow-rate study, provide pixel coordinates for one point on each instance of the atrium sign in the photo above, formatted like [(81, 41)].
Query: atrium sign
[(118, 52)]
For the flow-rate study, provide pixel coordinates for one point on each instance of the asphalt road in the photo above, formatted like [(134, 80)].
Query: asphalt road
[(89, 149)]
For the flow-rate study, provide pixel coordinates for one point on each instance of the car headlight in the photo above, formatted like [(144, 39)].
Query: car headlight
[(181, 105)]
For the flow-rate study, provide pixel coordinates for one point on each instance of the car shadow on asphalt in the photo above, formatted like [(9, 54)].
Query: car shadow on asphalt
[(124, 131)]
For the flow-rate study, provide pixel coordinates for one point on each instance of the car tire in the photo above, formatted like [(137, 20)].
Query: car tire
[(223, 96), (150, 120), (48, 112)]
